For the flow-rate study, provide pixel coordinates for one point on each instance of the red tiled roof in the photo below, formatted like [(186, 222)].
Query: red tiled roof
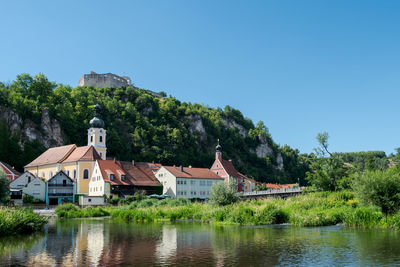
[(246, 178), (10, 168), (141, 173), (229, 168), (194, 173), (83, 153), (52, 155)]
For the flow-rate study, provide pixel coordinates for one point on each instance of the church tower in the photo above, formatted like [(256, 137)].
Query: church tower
[(97, 134)]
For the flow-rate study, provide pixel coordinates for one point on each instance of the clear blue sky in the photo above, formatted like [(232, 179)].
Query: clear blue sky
[(302, 67)]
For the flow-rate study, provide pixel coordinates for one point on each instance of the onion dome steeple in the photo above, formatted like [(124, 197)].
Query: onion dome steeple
[(97, 122)]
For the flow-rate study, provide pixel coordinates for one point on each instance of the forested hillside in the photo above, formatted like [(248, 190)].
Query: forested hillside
[(139, 126)]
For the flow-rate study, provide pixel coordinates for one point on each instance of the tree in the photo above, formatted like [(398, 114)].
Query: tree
[(327, 173), (380, 188), (223, 194), (4, 187)]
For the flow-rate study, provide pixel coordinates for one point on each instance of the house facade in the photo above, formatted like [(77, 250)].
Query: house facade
[(9, 171), (36, 189), (75, 162), (17, 186), (120, 179), (60, 188), (187, 182), (226, 170)]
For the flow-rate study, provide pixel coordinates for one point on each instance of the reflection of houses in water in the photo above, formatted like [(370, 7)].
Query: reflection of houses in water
[(167, 244), (95, 244)]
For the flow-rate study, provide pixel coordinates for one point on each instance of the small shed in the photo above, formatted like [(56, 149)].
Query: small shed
[(91, 201)]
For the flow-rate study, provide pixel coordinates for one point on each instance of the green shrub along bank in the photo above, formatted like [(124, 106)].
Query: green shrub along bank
[(20, 221), (313, 209)]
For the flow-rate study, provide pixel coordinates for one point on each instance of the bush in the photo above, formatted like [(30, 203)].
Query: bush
[(140, 195), (66, 208), (27, 199), (363, 216), (380, 188), (270, 214), (20, 221), (223, 194)]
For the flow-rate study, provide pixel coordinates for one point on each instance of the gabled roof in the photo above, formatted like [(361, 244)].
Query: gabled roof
[(54, 176), (140, 174), (10, 168), (52, 155), (229, 168), (83, 153), (193, 173), (246, 178)]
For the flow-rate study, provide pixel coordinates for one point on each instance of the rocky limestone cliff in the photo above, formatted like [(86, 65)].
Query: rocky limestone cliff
[(48, 132)]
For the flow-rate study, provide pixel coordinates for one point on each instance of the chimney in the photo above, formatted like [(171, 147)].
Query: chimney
[(181, 168), (114, 160), (133, 163)]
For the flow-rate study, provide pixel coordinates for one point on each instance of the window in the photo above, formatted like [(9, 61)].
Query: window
[(209, 183), (64, 182), (202, 183), (111, 177), (217, 172), (101, 139), (29, 179), (123, 177), (85, 174), (43, 176), (89, 200), (217, 165), (74, 174), (184, 182), (51, 174), (68, 173), (101, 155), (192, 182), (91, 138)]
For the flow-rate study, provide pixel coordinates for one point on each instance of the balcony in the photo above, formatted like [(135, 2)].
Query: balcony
[(61, 194), (60, 185)]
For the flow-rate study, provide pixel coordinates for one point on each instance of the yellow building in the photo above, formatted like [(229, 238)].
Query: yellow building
[(76, 162)]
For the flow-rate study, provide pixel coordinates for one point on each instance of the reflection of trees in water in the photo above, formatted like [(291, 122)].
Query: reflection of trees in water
[(259, 246), (379, 247)]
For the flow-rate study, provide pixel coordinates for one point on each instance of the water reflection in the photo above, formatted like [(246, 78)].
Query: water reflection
[(110, 243)]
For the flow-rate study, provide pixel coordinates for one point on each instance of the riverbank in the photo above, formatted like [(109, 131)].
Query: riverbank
[(20, 221), (313, 209)]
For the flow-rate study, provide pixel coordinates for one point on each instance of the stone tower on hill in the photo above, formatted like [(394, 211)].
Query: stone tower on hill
[(104, 80)]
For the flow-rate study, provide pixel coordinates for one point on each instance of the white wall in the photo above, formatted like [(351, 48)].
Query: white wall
[(36, 188), (168, 181), (91, 200), (21, 181), (97, 185), (185, 187)]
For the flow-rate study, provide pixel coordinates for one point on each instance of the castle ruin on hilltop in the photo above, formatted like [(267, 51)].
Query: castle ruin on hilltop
[(104, 80)]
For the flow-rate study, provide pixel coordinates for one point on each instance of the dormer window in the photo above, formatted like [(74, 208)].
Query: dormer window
[(122, 177), (112, 177)]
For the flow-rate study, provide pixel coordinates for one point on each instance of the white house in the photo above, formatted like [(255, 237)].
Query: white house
[(187, 182), (17, 185), (36, 189)]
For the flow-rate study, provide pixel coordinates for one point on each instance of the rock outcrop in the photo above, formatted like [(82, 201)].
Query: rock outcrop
[(48, 132)]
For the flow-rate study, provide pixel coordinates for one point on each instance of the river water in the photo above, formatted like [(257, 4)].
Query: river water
[(105, 242)]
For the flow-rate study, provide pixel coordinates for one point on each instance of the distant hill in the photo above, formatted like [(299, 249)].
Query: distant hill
[(37, 114)]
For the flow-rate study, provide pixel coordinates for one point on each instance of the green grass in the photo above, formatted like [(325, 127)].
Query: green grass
[(20, 221), (313, 209)]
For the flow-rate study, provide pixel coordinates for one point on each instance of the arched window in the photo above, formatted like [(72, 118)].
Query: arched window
[(50, 174), (43, 176), (68, 173), (101, 139), (85, 174)]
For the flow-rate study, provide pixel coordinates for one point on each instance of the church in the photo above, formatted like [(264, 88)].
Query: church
[(76, 162)]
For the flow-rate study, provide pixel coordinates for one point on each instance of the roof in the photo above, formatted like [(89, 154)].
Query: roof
[(246, 178), (229, 168), (142, 173), (83, 153), (139, 174), (10, 168), (52, 155), (194, 173)]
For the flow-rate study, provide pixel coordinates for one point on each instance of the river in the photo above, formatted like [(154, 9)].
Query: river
[(104, 242)]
